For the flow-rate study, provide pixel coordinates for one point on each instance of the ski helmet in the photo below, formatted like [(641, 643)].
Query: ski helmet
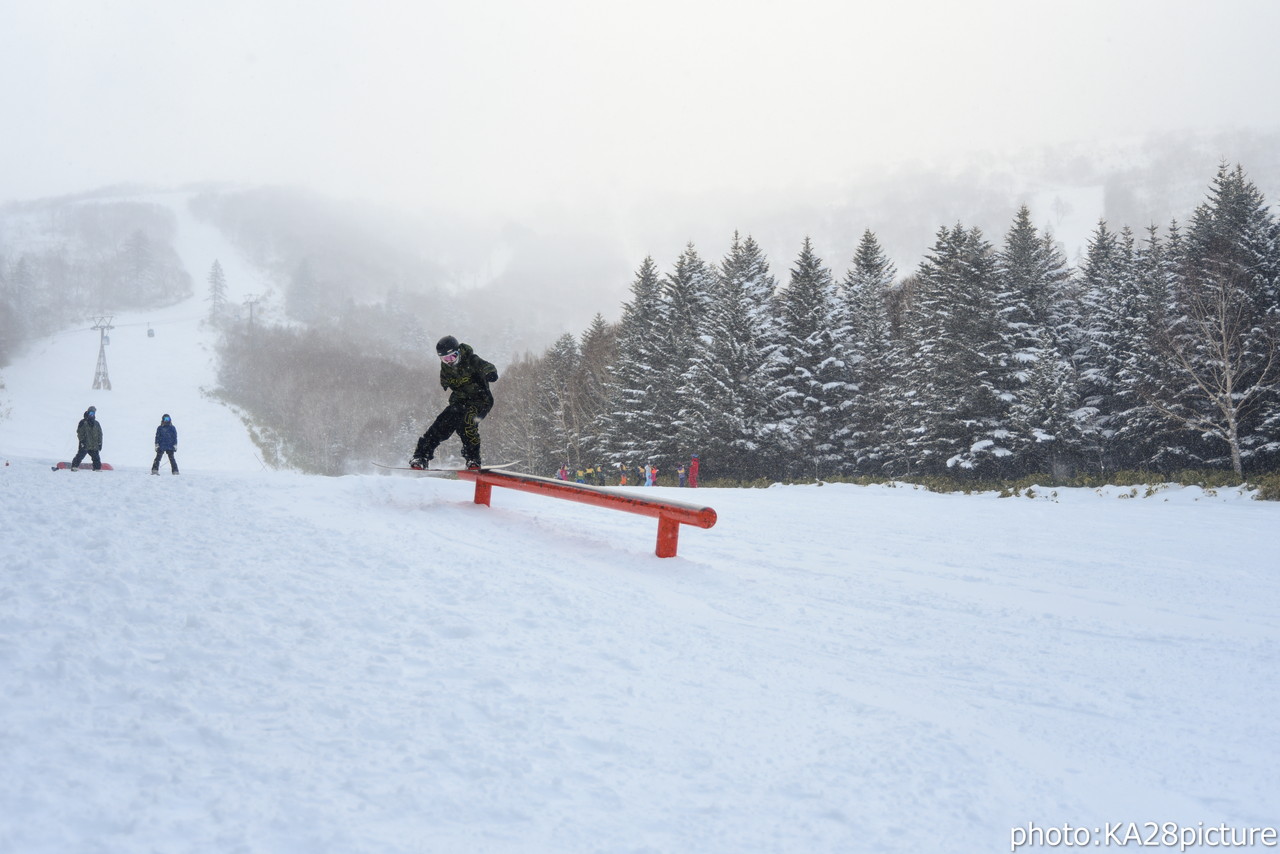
[(445, 344)]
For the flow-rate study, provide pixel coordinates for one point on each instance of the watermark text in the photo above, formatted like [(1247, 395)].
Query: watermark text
[(1149, 834)]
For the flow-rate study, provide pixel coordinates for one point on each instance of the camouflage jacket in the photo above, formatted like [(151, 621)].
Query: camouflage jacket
[(89, 432), (467, 380)]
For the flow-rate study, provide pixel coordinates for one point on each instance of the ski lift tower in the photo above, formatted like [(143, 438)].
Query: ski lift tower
[(100, 378)]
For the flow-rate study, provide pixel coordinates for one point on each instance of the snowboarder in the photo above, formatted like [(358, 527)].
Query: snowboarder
[(466, 377), (166, 443), (89, 435)]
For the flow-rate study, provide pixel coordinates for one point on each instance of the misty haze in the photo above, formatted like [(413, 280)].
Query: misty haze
[(964, 318)]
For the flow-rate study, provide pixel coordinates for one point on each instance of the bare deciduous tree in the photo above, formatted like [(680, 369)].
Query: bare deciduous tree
[(1221, 358)]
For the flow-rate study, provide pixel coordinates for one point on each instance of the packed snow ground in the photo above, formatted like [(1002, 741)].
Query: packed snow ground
[(241, 660)]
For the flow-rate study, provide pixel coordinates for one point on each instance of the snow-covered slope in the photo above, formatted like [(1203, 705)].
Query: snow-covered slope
[(244, 660), (230, 661), (49, 387)]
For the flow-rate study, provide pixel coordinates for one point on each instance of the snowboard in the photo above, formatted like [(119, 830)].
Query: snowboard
[(85, 466), (447, 468)]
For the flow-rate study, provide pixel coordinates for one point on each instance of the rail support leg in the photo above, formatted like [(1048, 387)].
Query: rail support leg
[(668, 536), (483, 492)]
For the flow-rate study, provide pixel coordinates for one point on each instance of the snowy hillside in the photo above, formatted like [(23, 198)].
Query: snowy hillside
[(229, 661), (49, 387), (244, 660)]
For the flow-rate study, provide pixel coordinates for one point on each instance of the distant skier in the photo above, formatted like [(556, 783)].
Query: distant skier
[(89, 435), (166, 443), (466, 377)]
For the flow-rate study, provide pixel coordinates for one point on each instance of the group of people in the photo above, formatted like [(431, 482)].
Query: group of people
[(89, 438), (591, 474), (646, 475)]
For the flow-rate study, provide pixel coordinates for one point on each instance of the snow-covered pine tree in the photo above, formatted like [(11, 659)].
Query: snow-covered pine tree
[(871, 354), (731, 365), (217, 292), (1049, 426), (956, 359), (1045, 414), (681, 410), (1145, 436), (1123, 327), (1093, 349), (1032, 272), (598, 352), (810, 375), (631, 424)]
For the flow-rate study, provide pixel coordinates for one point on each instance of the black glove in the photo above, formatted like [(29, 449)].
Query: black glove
[(491, 377), (157, 449)]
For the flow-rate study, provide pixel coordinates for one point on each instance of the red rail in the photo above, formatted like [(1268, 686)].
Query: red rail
[(671, 514)]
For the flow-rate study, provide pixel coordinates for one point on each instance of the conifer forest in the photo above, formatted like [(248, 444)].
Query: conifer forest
[(992, 359)]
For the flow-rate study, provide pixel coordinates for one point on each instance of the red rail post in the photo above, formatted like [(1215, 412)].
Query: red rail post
[(670, 514), (668, 536)]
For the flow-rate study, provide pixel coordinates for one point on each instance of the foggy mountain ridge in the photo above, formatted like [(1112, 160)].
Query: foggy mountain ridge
[(519, 285)]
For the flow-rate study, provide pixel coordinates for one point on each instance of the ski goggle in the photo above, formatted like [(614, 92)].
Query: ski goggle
[(450, 357), (165, 419)]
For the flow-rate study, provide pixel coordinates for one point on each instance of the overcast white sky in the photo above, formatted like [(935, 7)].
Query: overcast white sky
[(514, 106)]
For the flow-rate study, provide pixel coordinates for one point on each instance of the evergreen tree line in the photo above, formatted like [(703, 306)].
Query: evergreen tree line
[(1161, 351)]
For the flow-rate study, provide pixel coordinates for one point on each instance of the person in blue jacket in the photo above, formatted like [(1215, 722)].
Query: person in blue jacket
[(166, 443)]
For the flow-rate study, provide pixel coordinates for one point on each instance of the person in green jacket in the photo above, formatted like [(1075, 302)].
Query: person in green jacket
[(89, 435), (466, 377)]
